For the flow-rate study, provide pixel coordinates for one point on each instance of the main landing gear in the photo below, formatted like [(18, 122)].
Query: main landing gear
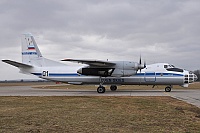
[(113, 87), (168, 88), (101, 88)]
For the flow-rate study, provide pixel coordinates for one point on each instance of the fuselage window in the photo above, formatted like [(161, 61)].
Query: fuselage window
[(190, 72)]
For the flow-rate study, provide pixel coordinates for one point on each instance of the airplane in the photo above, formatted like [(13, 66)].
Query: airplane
[(97, 72)]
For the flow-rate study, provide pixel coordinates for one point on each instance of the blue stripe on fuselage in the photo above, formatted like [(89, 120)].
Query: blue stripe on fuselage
[(138, 74), (63, 74), (37, 74), (158, 74), (57, 74)]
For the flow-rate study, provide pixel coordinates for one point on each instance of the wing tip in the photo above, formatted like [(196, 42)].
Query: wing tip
[(17, 64), (66, 60), (5, 60)]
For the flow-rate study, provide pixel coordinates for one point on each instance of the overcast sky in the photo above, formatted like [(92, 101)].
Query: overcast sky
[(159, 30)]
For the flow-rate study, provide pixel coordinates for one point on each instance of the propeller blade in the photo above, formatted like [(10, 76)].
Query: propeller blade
[(140, 66), (140, 63)]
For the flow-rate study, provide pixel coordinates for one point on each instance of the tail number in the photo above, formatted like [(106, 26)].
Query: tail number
[(45, 73)]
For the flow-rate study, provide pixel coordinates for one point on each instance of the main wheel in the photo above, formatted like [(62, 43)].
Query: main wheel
[(113, 87), (168, 89), (101, 89)]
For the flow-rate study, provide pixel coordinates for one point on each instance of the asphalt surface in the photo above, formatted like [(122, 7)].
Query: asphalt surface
[(189, 96)]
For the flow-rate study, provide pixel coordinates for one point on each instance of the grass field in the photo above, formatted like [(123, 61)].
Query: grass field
[(97, 114)]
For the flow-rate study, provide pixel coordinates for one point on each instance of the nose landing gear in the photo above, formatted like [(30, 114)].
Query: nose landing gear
[(168, 88)]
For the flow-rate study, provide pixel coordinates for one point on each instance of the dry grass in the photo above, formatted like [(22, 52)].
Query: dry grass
[(97, 114)]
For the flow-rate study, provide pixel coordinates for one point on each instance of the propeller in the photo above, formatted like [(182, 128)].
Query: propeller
[(140, 66), (140, 60)]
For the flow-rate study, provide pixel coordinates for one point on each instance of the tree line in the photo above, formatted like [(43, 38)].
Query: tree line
[(197, 72)]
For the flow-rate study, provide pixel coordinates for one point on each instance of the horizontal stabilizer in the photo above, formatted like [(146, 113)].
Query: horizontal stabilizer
[(91, 62), (17, 64)]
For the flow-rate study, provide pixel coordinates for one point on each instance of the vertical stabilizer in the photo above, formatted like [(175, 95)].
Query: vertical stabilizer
[(30, 50), (31, 54)]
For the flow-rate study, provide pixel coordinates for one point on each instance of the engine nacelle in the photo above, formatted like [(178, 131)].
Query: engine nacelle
[(125, 69), (104, 72), (121, 69), (123, 73)]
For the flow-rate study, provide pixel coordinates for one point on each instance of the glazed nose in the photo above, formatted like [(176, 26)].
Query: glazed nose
[(190, 78)]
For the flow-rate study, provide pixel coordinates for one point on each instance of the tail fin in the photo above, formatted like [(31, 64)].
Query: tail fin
[(30, 50), (31, 54)]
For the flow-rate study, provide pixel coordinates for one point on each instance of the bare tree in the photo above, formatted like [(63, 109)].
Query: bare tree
[(197, 72)]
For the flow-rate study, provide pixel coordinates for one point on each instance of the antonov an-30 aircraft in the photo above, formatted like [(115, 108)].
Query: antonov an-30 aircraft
[(97, 72)]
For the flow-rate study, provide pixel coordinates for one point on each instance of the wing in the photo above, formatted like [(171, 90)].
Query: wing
[(17, 64), (92, 62)]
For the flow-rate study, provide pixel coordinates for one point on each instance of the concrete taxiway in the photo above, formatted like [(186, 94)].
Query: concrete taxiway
[(189, 96)]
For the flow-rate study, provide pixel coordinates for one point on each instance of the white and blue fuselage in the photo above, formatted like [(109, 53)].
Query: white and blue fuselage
[(99, 72), (155, 74)]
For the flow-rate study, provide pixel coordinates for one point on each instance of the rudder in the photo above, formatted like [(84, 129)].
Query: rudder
[(30, 50)]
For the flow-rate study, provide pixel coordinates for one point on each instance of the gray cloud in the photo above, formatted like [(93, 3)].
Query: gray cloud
[(160, 30)]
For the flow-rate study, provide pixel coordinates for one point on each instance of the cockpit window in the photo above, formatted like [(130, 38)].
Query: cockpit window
[(172, 66), (190, 72), (175, 69)]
